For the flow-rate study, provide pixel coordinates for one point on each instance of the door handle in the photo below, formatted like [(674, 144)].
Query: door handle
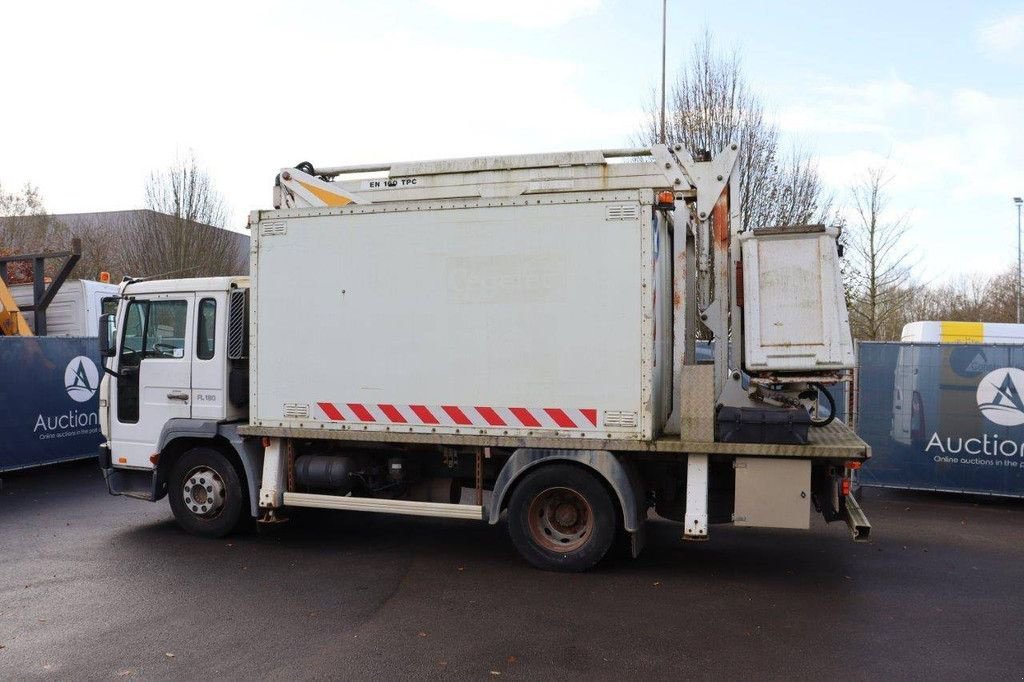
[(175, 395)]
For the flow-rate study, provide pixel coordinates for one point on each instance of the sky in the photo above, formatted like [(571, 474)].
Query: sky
[(98, 95)]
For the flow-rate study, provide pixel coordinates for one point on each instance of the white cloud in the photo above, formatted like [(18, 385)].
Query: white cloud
[(962, 139), (254, 116), (1002, 37), (843, 108), (841, 171), (809, 118), (880, 93), (952, 155), (521, 13)]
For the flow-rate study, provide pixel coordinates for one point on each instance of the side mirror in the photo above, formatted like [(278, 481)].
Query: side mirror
[(108, 347), (108, 304)]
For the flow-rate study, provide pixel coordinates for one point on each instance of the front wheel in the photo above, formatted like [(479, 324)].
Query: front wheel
[(561, 517), (205, 493)]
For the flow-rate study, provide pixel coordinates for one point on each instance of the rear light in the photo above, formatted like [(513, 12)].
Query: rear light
[(916, 417), (846, 487), (853, 465), (666, 200)]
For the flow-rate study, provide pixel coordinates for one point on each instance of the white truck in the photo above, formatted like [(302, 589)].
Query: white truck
[(74, 310), (468, 338)]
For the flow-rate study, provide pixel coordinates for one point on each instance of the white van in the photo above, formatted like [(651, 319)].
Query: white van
[(963, 332), (920, 371), (74, 310)]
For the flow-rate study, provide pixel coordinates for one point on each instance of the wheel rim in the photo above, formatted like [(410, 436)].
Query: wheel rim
[(203, 492), (561, 520)]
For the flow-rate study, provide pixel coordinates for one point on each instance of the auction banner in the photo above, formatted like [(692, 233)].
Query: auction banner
[(942, 416), (49, 400)]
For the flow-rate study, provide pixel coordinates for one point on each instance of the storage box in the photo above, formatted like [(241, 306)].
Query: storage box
[(773, 493), (762, 425)]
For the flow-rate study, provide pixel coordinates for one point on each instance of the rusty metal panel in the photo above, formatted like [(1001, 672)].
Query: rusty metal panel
[(773, 493)]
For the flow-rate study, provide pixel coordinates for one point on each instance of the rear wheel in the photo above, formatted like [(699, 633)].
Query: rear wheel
[(561, 517), (205, 493)]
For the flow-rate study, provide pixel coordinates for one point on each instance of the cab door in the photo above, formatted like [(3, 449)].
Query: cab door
[(154, 375)]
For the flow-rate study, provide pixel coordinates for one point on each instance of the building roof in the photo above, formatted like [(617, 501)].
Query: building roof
[(103, 249), (115, 219)]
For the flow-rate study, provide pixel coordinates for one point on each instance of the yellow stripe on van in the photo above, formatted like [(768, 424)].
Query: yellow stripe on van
[(329, 198), (962, 332)]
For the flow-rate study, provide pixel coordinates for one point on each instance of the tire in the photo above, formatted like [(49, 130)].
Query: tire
[(206, 493), (561, 517)]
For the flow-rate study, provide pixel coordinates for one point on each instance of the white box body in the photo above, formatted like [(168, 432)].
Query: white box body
[(74, 310), (794, 308), (524, 317)]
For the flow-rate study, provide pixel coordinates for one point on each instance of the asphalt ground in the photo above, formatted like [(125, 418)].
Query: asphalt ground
[(99, 587)]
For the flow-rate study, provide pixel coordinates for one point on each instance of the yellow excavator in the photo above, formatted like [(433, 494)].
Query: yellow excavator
[(12, 322)]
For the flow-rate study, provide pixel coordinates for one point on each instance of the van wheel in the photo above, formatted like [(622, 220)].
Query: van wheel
[(205, 493), (561, 518)]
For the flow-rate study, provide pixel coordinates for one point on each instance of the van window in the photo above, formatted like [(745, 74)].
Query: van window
[(206, 333)]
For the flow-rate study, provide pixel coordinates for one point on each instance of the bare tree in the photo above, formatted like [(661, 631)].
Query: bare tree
[(878, 276), (710, 107), (183, 233), (1001, 297), (102, 242), (966, 298), (27, 202), (25, 228)]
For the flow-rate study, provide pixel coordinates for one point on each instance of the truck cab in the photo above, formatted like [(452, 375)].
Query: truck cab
[(169, 370)]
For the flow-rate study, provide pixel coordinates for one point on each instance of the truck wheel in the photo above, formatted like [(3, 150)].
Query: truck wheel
[(205, 493), (561, 518)]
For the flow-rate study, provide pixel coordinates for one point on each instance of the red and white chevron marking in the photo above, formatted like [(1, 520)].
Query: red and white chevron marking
[(461, 415)]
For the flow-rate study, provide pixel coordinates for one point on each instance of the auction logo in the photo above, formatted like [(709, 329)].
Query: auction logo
[(81, 379), (999, 396)]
